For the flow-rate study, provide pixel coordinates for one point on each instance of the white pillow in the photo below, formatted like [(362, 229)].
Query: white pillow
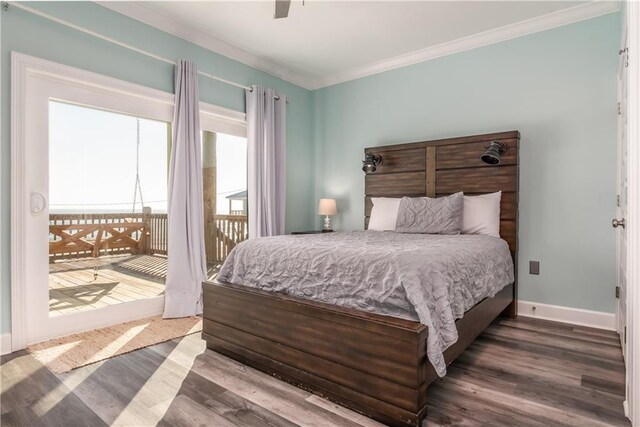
[(384, 213), (481, 214)]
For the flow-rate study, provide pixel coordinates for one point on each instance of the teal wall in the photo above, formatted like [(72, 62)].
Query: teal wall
[(558, 88), (32, 35)]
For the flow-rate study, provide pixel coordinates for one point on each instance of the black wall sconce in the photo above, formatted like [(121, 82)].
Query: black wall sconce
[(370, 162), (494, 152)]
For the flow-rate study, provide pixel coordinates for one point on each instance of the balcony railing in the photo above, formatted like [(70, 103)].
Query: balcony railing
[(95, 235), (225, 233)]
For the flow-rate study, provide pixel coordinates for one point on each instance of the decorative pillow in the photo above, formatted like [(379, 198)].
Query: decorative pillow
[(384, 214), (481, 214), (430, 216)]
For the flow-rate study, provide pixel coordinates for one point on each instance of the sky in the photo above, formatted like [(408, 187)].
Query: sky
[(92, 162)]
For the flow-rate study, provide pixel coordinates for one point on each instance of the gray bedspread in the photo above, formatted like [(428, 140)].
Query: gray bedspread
[(432, 279)]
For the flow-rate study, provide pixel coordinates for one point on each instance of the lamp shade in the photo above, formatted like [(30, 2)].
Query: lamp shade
[(327, 207)]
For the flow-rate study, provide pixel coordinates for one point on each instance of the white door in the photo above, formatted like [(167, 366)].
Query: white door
[(621, 211), (42, 92)]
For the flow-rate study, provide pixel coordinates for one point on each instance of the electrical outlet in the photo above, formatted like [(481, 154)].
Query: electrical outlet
[(534, 267)]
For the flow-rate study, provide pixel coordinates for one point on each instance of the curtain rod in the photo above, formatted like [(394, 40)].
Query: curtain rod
[(119, 43)]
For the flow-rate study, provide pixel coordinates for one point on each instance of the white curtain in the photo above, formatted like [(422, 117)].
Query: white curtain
[(186, 261), (266, 124)]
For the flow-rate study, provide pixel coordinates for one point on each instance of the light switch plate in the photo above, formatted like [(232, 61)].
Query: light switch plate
[(534, 267)]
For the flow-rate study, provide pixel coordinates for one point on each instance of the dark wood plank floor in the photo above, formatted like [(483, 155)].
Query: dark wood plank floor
[(519, 372)]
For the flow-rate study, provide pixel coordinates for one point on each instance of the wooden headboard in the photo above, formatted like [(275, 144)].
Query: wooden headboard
[(445, 166)]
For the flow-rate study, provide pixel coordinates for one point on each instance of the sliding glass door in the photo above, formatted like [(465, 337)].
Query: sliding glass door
[(107, 208), (95, 178), (90, 158)]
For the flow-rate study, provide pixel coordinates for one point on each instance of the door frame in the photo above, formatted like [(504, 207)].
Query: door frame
[(27, 73), (619, 326), (632, 403)]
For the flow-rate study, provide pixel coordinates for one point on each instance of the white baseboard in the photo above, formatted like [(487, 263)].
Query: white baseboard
[(574, 316), (5, 343)]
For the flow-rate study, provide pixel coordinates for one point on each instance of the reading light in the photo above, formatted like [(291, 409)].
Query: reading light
[(493, 153), (370, 162)]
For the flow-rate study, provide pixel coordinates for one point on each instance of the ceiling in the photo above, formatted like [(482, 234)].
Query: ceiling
[(326, 42)]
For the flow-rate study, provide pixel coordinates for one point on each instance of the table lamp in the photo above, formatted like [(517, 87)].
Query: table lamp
[(327, 207)]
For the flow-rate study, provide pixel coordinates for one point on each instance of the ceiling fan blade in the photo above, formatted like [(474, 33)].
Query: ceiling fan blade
[(282, 9)]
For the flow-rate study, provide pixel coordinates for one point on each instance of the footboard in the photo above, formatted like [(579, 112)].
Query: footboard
[(373, 364), (370, 363)]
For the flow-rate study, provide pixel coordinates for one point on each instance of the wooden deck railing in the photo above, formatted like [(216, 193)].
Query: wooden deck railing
[(159, 231), (94, 235), (229, 231)]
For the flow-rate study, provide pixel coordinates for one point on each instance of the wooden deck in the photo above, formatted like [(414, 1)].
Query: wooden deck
[(88, 283)]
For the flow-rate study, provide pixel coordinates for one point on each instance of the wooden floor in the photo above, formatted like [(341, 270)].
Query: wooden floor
[(519, 372), (88, 283)]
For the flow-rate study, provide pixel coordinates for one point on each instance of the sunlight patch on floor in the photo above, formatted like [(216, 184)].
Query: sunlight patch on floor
[(55, 352), (15, 371), (112, 348), (152, 401), (56, 395), (67, 386), (92, 346)]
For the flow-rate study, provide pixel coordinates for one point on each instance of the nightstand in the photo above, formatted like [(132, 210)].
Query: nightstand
[(312, 232)]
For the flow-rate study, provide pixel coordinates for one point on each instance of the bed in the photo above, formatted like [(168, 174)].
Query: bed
[(373, 352)]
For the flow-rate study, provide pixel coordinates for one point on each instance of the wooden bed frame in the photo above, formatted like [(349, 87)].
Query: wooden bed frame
[(374, 364)]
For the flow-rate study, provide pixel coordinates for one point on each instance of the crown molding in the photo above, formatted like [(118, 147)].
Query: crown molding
[(139, 12), (534, 25)]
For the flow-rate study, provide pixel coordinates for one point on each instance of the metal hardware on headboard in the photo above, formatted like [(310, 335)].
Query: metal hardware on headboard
[(494, 153), (370, 163)]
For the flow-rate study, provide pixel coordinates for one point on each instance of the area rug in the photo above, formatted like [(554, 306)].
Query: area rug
[(71, 352)]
